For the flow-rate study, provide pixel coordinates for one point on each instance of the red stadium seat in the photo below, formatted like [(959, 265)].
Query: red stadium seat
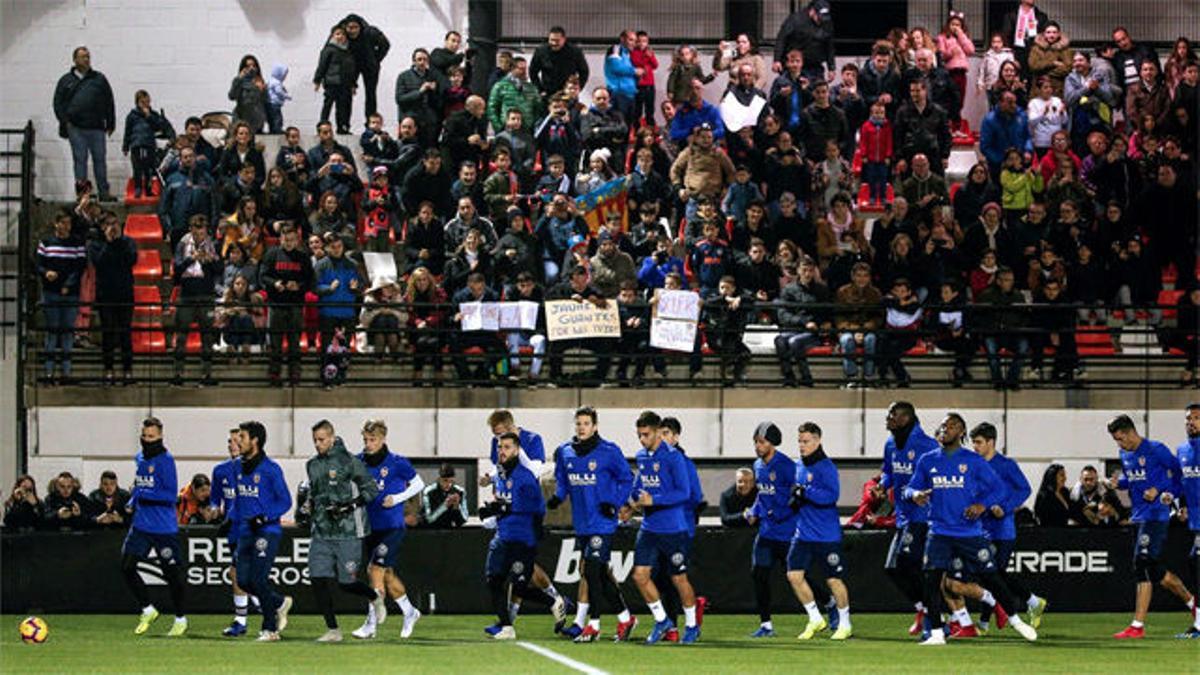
[(145, 200), (1168, 299), (147, 305), (143, 228), (149, 266), (1094, 341), (149, 342)]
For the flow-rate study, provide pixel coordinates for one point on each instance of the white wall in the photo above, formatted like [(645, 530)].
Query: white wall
[(185, 52)]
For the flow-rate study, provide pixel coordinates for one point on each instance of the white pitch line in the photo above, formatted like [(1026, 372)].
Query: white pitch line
[(555, 656)]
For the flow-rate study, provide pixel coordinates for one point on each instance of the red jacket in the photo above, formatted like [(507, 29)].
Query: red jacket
[(647, 61), (874, 142)]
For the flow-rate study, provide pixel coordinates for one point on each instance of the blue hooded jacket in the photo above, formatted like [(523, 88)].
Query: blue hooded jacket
[(619, 75), (277, 94)]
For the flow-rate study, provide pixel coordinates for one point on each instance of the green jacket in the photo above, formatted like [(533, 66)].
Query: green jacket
[(508, 94), (337, 477)]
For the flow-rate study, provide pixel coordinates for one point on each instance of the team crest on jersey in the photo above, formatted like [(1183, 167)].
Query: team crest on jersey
[(260, 544), (597, 542), (332, 474), (957, 563), (908, 539), (383, 472), (833, 559), (1144, 540), (677, 559), (808, 478), (984, 554), (655, 467), (518, 567), (150, 469), (508, 484), (166, 553), (257, 478), (912, 454), (771, 476), (592, 465), (1141, 461), (381, 550), (351, 567), (962, 468)]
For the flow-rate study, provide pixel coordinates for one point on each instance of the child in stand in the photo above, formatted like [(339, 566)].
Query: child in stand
[(455, 97), (833, 174), (875, 144), (142, 127), (993, 58), (740, 194), (643, 57), (277, 95), (1018, 183), (380, 207)]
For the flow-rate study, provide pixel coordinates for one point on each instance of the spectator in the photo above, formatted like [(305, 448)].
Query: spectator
[(1185, 93), (789, 93), (197, 267), (997, 55), (979, 189), (1065, 186), (465, 134), (988, 233), (1051, 57), (517, 249), (902, 320), (1021, 27), (875, 138), (114, 258), (1094, 504), (327, 146), (1059, 152), (239, 316), (801, 319), (1137, 280), (603, 127), (643, 57), (426, 319), (471, 258), (657, 266), (880, 79), (710, 260), (23, 509), (143, 127), (428, 181), (694, 113), (292, 158), (556, 61), (810, 31), (555, 230), (447, 57), (1006, 126), (249, 92), (1047, 116), (921, 127), (857, 320), (468, 185), (474, 290), (701, 170), (731, 56), (648, 187), (65, 508), (338, 285), (941, 89), (378, 147), (924, 190), (620, 75), (846, 96), (823, 122), (1003, 317), (286, 274), (195, 506), (724, 314), (517, 140), (419, 96), (874, 507), (108, 502), (504, 66), (277, 96), (526, 289), (86, 113), (1018, 183), (337, 72), (1010, 81), (955, 48), (1091, 89), (1052, 506), (61, 260), (516, 92), (685, 67), (557, 135), (443, 504), (634, 344), (576, 287), (369, 46), (423, 239), (611, 268), (1148, 95), (1127, 59), (468, 219), (1056, 328), (951, 330), (738, 498), (383, 318)]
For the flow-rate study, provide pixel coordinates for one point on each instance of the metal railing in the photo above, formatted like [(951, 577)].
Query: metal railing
[(16, 225)]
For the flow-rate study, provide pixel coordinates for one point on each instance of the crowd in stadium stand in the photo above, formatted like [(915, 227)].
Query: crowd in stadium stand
[(811, 198)]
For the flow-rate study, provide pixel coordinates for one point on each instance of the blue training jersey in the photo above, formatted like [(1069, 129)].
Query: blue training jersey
[(897, 470), (224, 483), (523, 492), (663, 475), (958, 478), (817, 519), (531, 445), (1004, 529), (261, 491), (776, 521), (1150, 464), (695, 492), (1189, 466), (392, 473), (589, 479), (155, 490)]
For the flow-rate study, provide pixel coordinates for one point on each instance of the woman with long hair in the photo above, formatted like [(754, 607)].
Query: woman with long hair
[(249, 92), (1010, 80), (426, 318), (239, 149), (1181, 55), (1053, 503), (731, 56), (955, 49)]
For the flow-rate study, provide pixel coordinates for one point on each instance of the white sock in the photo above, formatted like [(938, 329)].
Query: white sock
[(1196, 623), (920, 606), (768, 625), (181, 619), (1191, 602), (405, 605), (814, 614), (581, 614), (623, 617), (1136, 624), (594, 624), (241, 604), (1033, 602), (514, 608), (148, 608), (844, 616), (689, 616), (987, 599), (551, 591), (656, 609), (1015, 620), (937, 633), (370, 615), (963, 617)]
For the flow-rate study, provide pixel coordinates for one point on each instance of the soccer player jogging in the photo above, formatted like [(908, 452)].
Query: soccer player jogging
[(224, 492), (1189, 463), (339, 489), (397, 482), (1151, 474), (592, 473), (906, 444), (998, 525), (662, 490), (959, 486), (262, 499), (519, 509), (670, 431), (774, 473), (155, 529), (532, 455), (818, 536)]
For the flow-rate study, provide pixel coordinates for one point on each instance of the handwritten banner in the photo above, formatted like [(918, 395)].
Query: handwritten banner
[(672, 334), (493, 316), (683, 305), (570, 320)]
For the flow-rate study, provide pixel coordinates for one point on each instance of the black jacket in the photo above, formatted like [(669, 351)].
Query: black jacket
[(550, 69), (336, 66), (815, 40), (85, 102), (369, 48), (734, 505), (54, 502), (917, 131), (114, 261), (279, 264), (460, 126)]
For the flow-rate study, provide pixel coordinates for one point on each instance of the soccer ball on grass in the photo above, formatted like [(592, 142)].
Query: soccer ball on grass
[(34, 630)]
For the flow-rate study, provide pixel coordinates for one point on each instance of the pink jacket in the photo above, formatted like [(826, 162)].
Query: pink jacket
[(955, 51)]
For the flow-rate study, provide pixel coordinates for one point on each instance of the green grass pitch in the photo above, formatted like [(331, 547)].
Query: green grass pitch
[(456, 644)]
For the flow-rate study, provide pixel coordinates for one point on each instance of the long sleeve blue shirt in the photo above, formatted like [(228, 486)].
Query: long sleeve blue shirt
[(897, 470), (224, 483), (531, 445), (1150, 464), (524, 495), (663, 475), (392, 475), (1018, 490), (695, 492), (818, 516), (261, 491), (589, 479), (1189, 466), (776, 521), (155, 489), (958, 478)]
